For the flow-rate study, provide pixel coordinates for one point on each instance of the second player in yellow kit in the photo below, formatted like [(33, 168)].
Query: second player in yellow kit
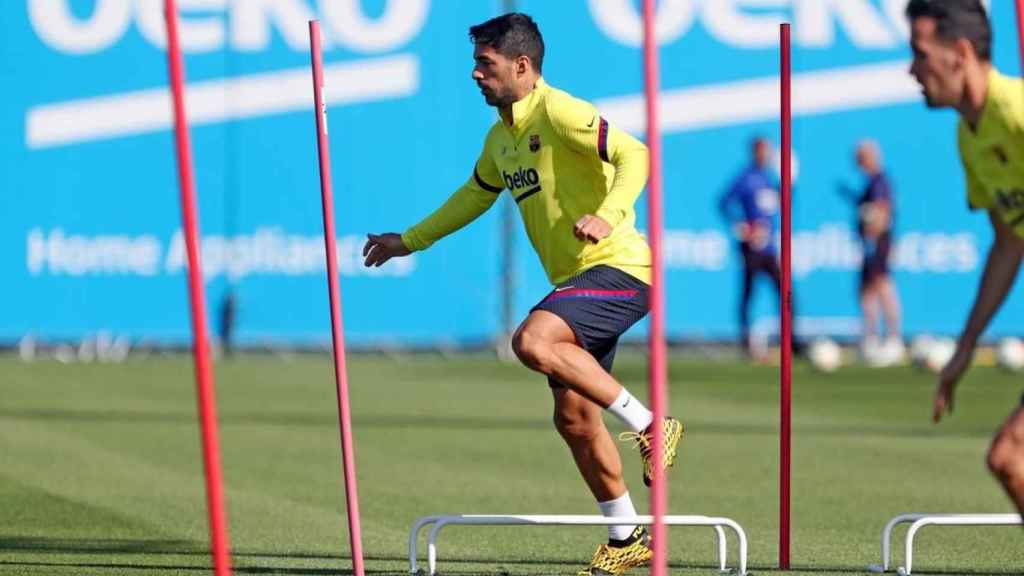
[(575, 179), (952, 44), (993, 153)]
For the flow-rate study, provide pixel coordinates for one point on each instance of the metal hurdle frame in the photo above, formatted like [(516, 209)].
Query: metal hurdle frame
[(919, 520), (440, 521)]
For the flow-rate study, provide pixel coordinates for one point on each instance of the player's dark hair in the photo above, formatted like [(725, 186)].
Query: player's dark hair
[(957, 19), (512, 35)]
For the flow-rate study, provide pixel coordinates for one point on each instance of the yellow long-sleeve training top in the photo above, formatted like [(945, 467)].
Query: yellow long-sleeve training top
[(560, 160), (993, 155)]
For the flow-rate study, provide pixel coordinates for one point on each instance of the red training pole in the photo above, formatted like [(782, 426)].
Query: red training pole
[(337, 331), (1020, 33), (200, 343), (657, 375), (787, 302)]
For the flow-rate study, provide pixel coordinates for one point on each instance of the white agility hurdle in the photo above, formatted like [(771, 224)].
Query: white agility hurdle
[(918, 521), (440, 521)]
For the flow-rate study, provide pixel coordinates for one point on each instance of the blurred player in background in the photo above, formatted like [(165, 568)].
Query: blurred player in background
[(877, 292), (951, 41), (750, 207), (575, 180)]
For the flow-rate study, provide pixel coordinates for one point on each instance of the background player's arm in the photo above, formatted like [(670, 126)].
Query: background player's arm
[(580, 126), (464, 206), (728, 207), (732, 212), (877, 217), (1004, 258)]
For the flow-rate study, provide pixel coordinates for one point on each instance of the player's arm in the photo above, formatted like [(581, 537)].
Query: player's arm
[(1001, 267), (877, 214), (732, 213), (580, 126), (727, 205), (465, 205), (846, 192), (877, 217)]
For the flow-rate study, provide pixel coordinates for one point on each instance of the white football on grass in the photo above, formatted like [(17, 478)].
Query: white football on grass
[(939, 354), (825, 355), (1010, 354)]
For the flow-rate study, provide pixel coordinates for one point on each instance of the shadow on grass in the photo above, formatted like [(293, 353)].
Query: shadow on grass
[(491, 423), (451, 566), (177, 568), (755, 570), (294, 419)]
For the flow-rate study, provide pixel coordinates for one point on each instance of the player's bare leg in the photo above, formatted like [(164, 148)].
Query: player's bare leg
[(580, 423), (869, 310), (890, 306), (1006, 458), (545, 343)]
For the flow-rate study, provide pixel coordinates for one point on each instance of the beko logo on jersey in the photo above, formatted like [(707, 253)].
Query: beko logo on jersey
[(521, 178)]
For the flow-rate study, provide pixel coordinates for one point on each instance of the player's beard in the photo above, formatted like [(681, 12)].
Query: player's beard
[(938, 93), (930, 100), (498, 98)]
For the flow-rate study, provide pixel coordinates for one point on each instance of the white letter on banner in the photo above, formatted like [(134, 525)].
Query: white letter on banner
[(895, 11), (196, 35), (176, 257), (251, 21), (400, 22), (864, 26), (621, 22), (36, 252), (725, 20), (57, 26)]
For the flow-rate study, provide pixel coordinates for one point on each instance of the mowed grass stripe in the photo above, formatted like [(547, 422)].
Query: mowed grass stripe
[(471, 435)]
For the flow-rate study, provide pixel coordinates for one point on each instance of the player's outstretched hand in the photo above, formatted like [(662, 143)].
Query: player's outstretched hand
[(591, 229), (381, 248), (948, 379)]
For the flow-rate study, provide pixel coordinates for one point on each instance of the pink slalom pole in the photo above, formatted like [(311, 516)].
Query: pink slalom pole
[(337, 331), (658, 369), (785, 401), (200, 342)]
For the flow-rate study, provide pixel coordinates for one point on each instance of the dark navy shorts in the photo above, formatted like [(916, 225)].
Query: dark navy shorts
[(599, 304), (876, 260)]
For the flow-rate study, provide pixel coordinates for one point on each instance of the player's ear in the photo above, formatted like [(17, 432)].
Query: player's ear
[(523, 64), (964, 51)]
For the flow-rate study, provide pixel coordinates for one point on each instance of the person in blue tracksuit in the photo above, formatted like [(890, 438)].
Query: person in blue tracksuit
[(750, 206)]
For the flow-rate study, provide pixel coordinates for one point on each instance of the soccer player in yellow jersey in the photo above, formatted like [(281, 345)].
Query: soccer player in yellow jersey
[(575, 180), (951, 40)]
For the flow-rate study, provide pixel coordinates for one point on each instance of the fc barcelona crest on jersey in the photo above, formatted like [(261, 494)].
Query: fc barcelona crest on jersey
[(534, 142)]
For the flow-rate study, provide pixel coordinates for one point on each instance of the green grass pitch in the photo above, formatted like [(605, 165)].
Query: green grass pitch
[(100, 469)]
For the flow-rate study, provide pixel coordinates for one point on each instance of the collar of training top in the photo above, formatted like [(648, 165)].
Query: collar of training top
[(522, 109), (996, 83)]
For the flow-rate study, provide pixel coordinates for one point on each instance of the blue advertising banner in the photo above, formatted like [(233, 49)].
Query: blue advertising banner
[(91, 235)]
